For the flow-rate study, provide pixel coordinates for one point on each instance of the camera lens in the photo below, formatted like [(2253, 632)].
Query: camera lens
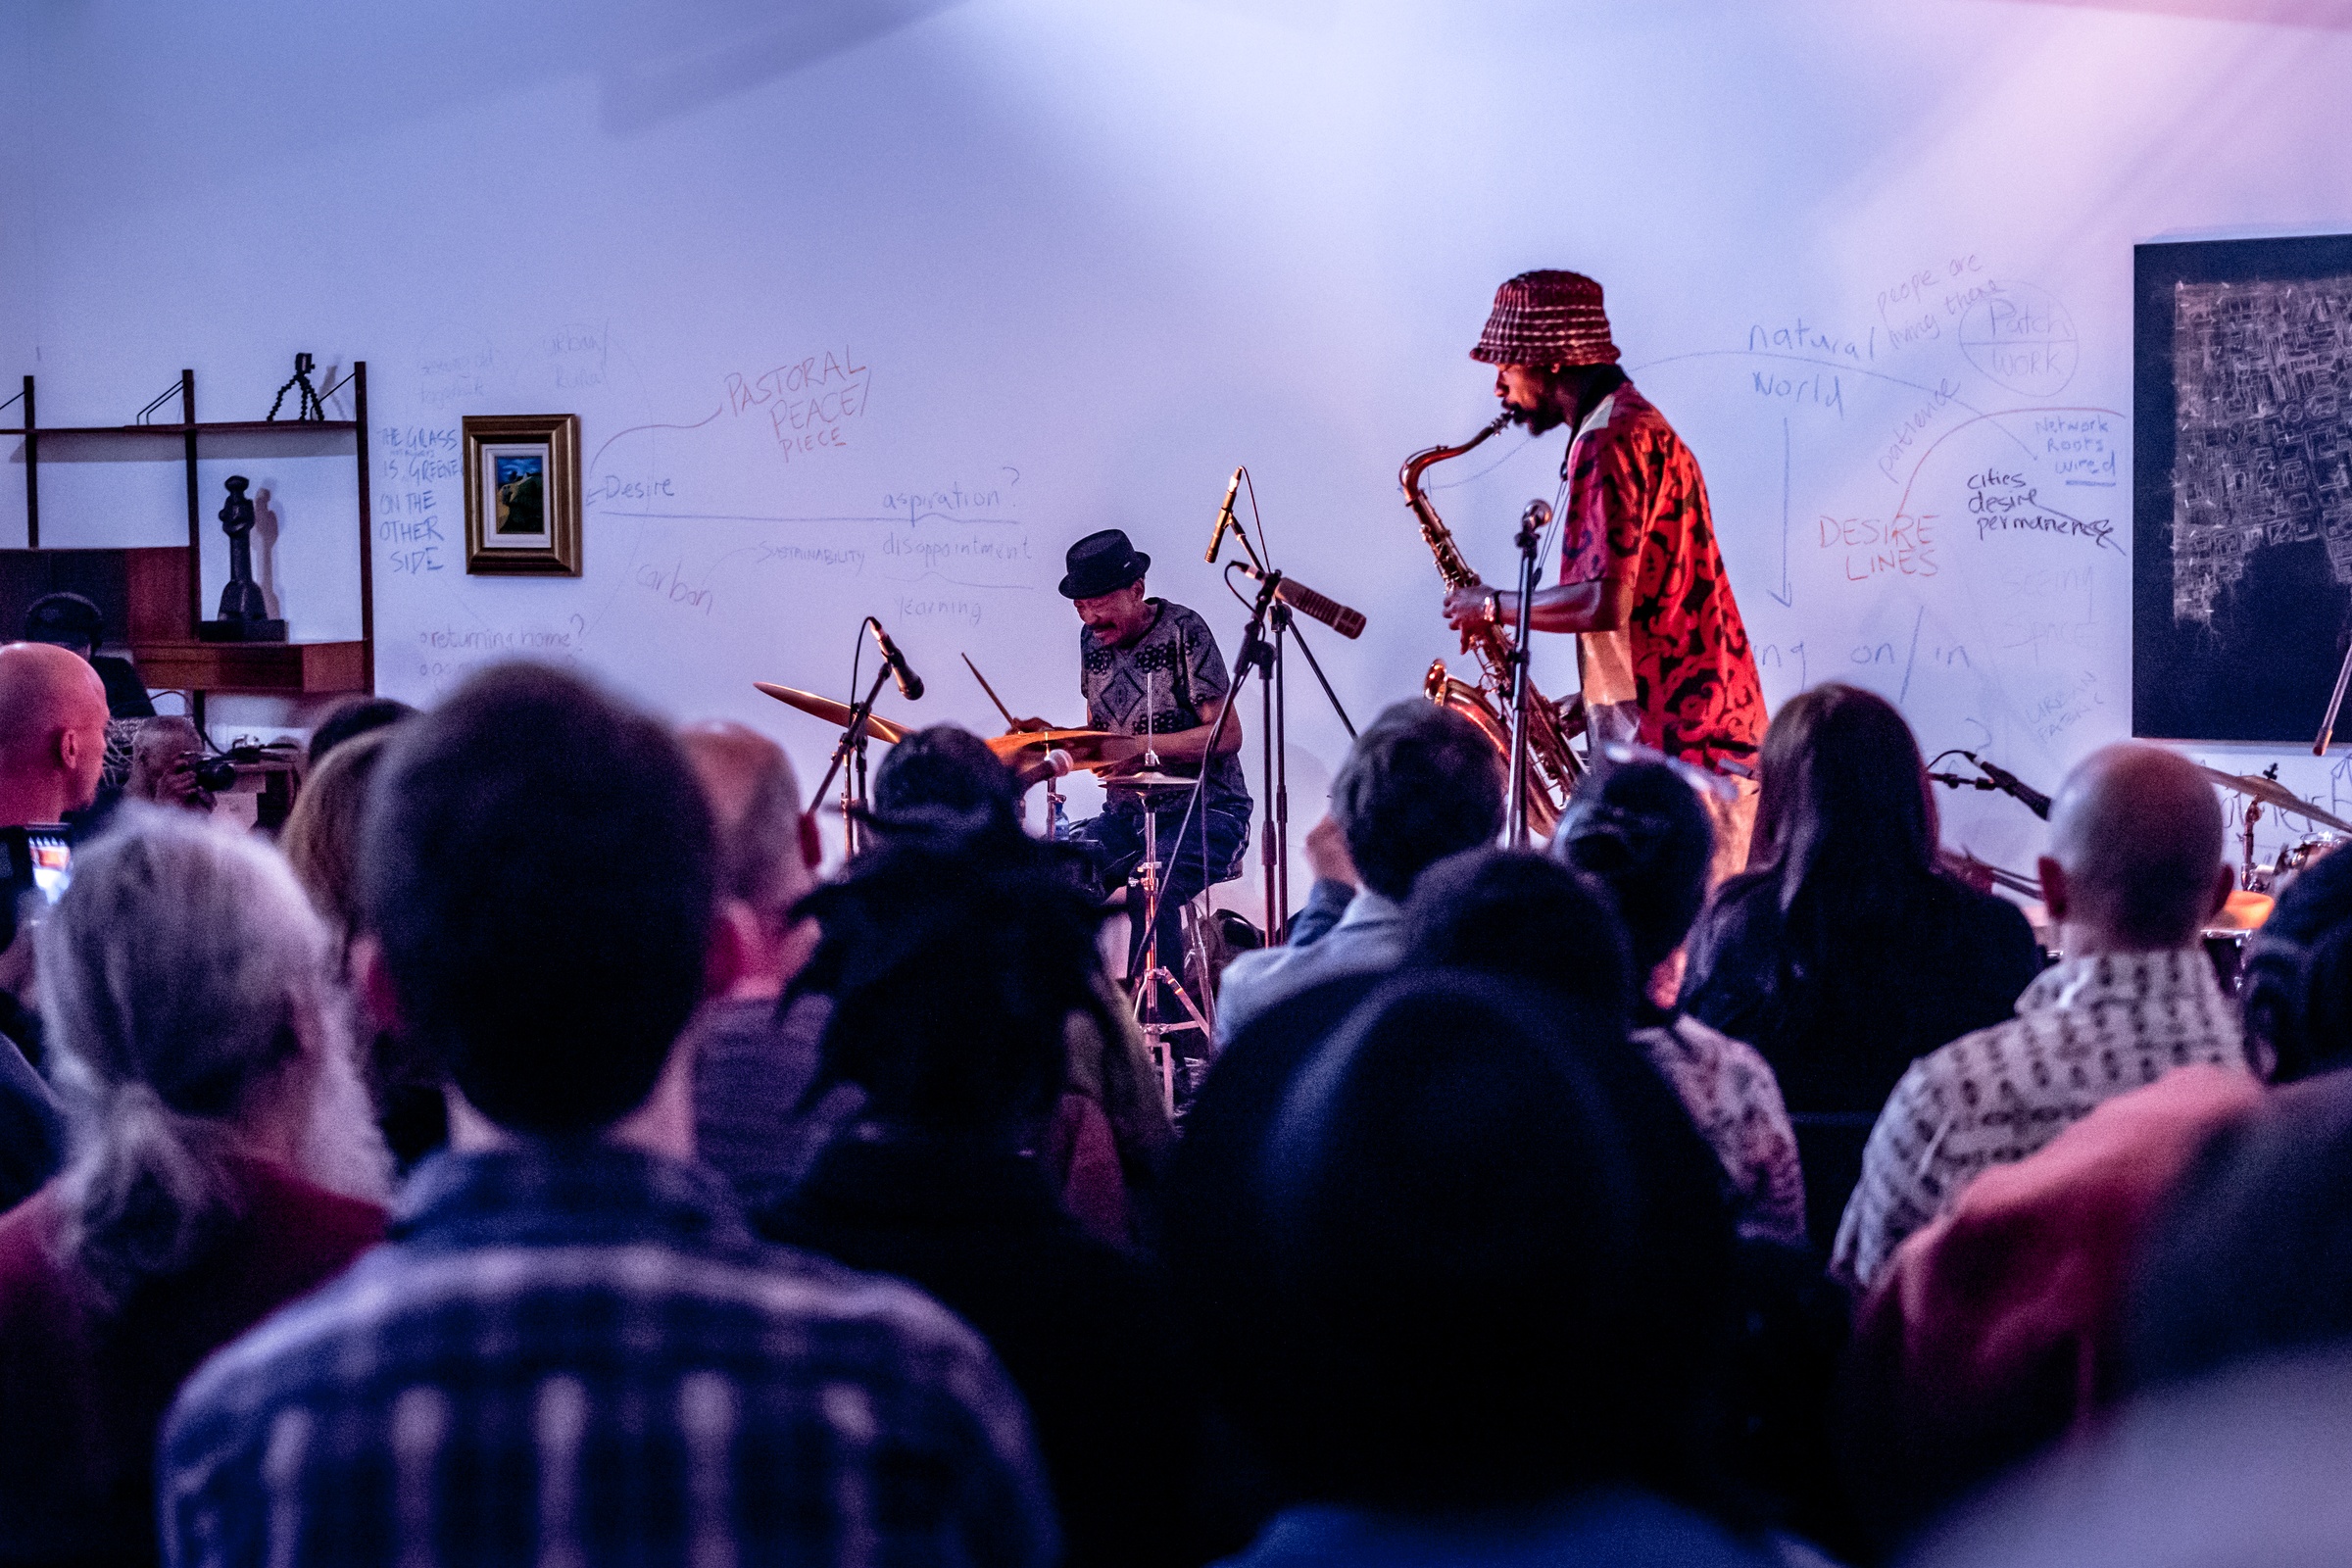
[(216, 774)]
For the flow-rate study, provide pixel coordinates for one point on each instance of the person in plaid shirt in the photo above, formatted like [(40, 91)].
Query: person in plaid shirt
[(572, 1349), (1662, 652)]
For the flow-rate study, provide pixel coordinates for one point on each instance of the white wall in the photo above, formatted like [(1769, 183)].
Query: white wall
[(1085, 258)]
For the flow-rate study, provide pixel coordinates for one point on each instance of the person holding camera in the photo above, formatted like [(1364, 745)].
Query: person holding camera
[(167, 767)]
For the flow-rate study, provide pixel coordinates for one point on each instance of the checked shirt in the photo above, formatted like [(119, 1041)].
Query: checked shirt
[(578, 1355)]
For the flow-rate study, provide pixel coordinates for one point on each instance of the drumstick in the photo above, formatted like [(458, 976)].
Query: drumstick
[(991, 690)]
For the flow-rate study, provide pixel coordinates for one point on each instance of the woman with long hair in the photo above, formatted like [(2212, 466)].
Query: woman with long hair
[(1845, 951)]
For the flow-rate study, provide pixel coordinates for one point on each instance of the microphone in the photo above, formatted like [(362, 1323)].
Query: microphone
[(911, 685), (1216, 540), (2011, 785), (1054, 764), (1308, 603)]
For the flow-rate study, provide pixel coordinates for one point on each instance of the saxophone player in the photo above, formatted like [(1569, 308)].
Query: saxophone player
[(1662, 653)]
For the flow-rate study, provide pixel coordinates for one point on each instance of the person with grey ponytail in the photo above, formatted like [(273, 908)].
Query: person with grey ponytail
[(223, 1162)]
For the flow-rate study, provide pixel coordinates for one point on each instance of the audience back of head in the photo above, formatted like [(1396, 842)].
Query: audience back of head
[(1421, 783), (768, 849), (1641, 831), (361, 715), (954, 958), (2297, 984), (190, 998), (1500, 1278), (537, 871), (1844, 795), (1521, 916), (2136, 848), (52, 733), (945, 771)]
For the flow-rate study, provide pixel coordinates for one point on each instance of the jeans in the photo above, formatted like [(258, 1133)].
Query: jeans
[(1117, 841)]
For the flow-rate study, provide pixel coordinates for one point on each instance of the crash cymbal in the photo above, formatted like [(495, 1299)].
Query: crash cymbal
[(2271, 792), (832, 713)]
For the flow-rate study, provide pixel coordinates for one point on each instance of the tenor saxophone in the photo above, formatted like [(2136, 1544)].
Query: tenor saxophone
[(1552, 768)]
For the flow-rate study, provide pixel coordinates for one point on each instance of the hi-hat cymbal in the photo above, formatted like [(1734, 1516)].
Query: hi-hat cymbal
[(833, 713), (1147, 781), (2271, 792)]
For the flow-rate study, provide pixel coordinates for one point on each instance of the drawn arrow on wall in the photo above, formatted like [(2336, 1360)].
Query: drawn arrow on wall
[(1785, 593)]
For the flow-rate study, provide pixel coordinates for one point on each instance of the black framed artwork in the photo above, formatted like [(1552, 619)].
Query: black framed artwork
[(2241, 565)]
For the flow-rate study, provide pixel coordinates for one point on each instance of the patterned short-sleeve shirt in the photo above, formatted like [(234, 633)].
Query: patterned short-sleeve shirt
[(2086, 1030), (1169, 673), (1637, 508)]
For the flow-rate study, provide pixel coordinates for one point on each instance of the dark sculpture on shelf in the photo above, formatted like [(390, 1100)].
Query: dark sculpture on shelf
[(244, 614)]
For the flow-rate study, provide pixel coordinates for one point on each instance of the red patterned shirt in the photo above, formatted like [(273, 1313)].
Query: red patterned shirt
[(1637, 508)]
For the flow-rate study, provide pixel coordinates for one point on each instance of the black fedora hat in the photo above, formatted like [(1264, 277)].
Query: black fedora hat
[(1103, 563)]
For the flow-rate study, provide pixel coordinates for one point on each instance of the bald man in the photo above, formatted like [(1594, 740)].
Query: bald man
[(750, 1065), (2133, 876), (52, 733)]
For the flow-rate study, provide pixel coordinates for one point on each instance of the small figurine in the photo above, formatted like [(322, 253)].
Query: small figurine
[(244, 613)]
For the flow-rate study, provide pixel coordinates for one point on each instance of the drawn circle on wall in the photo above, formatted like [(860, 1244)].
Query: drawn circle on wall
[(2022, 338)]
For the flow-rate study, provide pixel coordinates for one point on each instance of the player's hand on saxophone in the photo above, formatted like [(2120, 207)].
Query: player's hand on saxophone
[(1470, 607)]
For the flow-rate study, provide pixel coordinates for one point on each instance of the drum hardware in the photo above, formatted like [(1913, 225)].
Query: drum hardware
[(2264, 790), (1155, 975)]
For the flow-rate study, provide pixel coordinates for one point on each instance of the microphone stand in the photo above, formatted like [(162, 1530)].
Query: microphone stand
[(851, 749), (1531, 523), (2335, 703)]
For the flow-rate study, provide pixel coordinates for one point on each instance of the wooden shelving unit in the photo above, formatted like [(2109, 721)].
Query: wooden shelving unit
[(170, 656)]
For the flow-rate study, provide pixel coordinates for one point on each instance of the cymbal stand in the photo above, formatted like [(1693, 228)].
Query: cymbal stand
[(1155, 974), (1532, 523), (850, 749)]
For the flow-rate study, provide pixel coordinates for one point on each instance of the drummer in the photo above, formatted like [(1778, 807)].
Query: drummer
[(1152, 675)]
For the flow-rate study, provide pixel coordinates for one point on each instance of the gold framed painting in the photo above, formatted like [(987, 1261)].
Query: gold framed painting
[(522, 495)]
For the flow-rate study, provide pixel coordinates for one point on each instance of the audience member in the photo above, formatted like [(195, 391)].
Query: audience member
[(52, 733), (1639, 830), (162, 766), (1490, 1331), (572, 1340), (2296, 987), (352, 719), (192, 1005), (2244, 1469), (74, 621), (1515, 913), (944, 770), (753, 1064), (2253, 1256), (1843, 953), (1999, 1327), (321, 840), (1524, 918), (1110, 1135), (956, 965), (2132, 874), (1421, 783), (52, 749)]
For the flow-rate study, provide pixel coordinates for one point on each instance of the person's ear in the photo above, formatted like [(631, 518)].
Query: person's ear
[(2225, 883), (812, 844), (734, 938), (372, 982), (2053, 888), (69, 748)]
